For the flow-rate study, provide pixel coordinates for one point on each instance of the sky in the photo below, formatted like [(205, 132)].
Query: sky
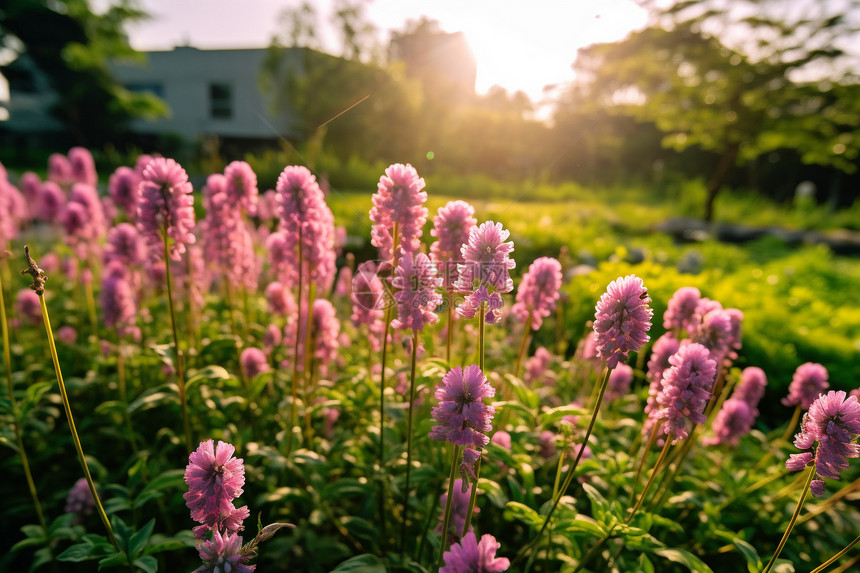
[(519, 45)]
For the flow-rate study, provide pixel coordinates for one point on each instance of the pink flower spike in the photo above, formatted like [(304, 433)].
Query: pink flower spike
[(416, 296), (486, 259), (242, 186), (469, 556), (687, 387), (833, 421), (809, 380), (165, 204), (681, 311), (462, 418), (622, 319), (215, 478), (538, 292), (472, 303), (399, 200), (451, 226)]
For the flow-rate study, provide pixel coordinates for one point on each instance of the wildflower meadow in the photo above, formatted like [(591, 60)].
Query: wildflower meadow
[(224, 378)]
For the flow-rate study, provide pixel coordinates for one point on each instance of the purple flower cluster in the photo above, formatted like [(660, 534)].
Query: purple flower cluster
[(486, 260), (471, 556), (622, 319), (399, 200), (80, 500), (451, 227), (165, 204), (228, 245), (280, 299), (254, 362), (809, 380), (368, 300), (416, 296), (536, 366), (215, 478), (833, 421), (680, 312), (619, 381), (538, 292), (325, 332), (459, 507), (462, 418), (241, 186), (307, 224), (83, 220), (83, 168), (736, 417), (123, 187), (686, 389), (117, 300)]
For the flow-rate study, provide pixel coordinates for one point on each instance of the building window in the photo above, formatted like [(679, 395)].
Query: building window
[(221, 101)]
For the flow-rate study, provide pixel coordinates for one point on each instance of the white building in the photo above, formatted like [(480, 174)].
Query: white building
[(207, 92)]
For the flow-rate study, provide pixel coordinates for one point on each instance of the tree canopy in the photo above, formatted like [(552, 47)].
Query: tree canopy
[(71, 44), (738, 79)]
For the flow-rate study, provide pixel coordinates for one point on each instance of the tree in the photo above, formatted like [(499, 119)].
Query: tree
[(72, 44), (783, 83)]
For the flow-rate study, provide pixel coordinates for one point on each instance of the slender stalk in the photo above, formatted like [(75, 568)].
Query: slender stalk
[(810, 474), (666, 485), (827, 563), (67, 407), (91, 306), (16, 425), (228, 292), (446, 517), (523, 344), (792, 424), (123, 395), (310, 343), (654, 472), (295, 378), (450, 334), (570, 473), (651, 439), (831, 501), (558, 472), (180, 371), (474, 493), (409, 443)]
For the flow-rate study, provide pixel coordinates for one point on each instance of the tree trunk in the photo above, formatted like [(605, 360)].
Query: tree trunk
[(727, 161)]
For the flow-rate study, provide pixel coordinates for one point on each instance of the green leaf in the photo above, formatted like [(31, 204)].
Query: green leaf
[(365, 563), (146, 563), (211, 372), (138, 540), (82, 552), (152, 399), (581, 525), (685, 558), (599, 506), (754, 563), (119, 558), (522, 512)]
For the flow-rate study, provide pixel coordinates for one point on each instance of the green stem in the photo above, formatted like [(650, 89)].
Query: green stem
[(16, 423), (295, 373), (450, 334), (827, 563), (792, 424), (308, 368), (409, 443), (474, 494), (446, 518), (180, 371), (123, 396), (666, 485), (68, 408), (651, 439), (523, 345), (831, 501), (654, 472), (810, 475), (570, 473)]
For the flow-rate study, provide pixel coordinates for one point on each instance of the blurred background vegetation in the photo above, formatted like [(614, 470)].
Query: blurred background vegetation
[(743, 112)]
